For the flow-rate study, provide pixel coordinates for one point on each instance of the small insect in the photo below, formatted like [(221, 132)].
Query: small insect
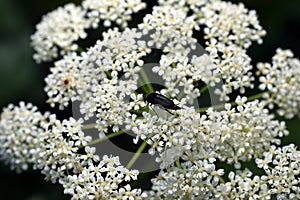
[(161, 100)]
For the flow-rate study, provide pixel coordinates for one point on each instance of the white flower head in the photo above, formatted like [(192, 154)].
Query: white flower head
[(245, 131), (281, 165), (105, 180), (58, 31), (21, 135), (230, 24), (117, 11), (282, 80), (60, 151)]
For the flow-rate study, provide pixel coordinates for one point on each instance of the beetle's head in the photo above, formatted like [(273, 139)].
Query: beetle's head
[(145, 97)]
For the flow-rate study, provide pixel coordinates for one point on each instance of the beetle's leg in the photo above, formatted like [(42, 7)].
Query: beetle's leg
[(155, 112), (152, 109), (168, 111), (145, 105), (165, 109)]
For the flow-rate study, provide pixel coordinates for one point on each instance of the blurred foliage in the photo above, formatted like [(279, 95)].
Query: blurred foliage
[(22, 79)]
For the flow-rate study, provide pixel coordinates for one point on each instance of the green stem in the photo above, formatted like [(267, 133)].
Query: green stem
[(221, 179), (88, 126), (257, 96), (146, 81), (177, 163), (109, 136), (203, 89), (145, 89), (137, 154), (180, 95)]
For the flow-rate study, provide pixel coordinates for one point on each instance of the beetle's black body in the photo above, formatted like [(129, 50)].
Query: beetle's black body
[(161, 100)]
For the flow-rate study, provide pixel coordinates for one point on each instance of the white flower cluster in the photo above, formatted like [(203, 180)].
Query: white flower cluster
[(232, 66), (173, 137), (114, 64), (282, 169), (105, 180), (169, 29), (118, 11), (242, 185), (282, 80), (189, 181), (281, 179), (59, 30), (21, 133), (172, 32), (107, 79), (174, 69), (245, 131), (89, 76), (201, 180), (234, 135), (62, 81), (230, 24), (229, 31), (60, 150)]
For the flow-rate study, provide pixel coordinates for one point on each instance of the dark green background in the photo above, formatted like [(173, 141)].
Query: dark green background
[(22, 79)]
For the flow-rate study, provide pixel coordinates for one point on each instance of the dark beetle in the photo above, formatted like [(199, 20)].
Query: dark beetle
[(161, 101)]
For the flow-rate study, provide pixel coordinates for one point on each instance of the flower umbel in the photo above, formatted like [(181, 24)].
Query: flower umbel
[(282, 80), (22, 133), (57, 32), (195, 53)]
